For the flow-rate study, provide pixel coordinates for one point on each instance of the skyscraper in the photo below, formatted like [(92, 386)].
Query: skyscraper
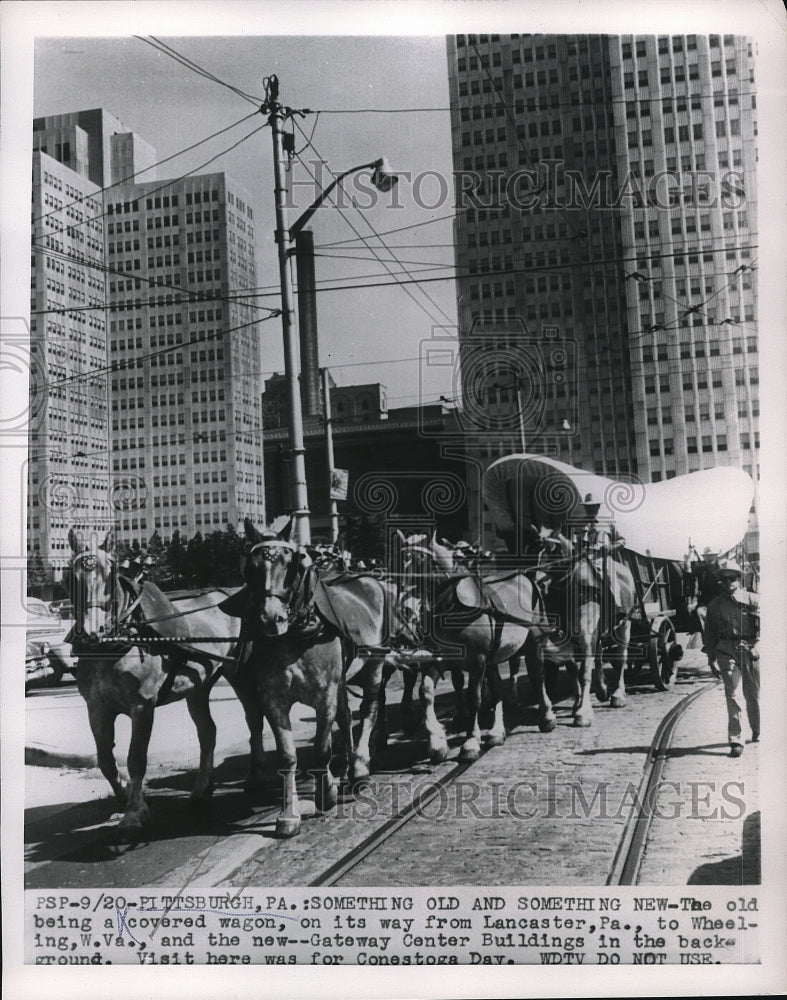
[(608, 202), (185, 400), (141, 283), (68, 429)]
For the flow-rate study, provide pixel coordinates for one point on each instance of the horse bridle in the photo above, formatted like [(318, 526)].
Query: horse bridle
[(111, 605), (267, 548)]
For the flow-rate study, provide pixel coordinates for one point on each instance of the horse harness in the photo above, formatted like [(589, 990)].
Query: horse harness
[(124, 599)]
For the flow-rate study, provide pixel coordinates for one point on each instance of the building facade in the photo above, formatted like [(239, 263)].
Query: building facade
[(397, 466), (605, 239), (141, 283), (185, 400), (68, 458)]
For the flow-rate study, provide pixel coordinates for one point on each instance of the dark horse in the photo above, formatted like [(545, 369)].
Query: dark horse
[(583, 600), (308, 629), (477, 622), (295, 657), (119, 677)]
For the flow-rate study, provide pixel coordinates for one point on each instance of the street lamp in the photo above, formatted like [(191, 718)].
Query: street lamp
[(383, 180)]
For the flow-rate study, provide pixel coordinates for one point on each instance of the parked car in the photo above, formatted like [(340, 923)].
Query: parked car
[(48, 656), (41, 670)]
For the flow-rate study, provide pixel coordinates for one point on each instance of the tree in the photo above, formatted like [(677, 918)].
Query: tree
[(36, 575), (177, 559), (157, 569), (365, 535), (194, 564)]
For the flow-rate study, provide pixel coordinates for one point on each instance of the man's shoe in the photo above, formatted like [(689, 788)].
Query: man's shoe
[(736, 750), (755, 737)]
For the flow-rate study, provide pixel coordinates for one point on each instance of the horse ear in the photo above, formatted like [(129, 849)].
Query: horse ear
[(75, 541), (286, 531), (251, 532)]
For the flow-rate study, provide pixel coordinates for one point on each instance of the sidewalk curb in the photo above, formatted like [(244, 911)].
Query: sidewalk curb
[(39, 755)]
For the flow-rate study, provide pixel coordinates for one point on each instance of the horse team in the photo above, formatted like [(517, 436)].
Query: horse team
[(296, 632)]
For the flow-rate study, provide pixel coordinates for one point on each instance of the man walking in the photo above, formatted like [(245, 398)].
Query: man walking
[(731, 633)]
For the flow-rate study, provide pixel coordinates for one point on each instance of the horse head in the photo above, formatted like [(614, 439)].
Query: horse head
[(274, 575), (94, 584)]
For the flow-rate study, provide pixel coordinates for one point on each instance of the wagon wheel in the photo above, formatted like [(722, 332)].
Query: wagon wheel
[(663, 656)]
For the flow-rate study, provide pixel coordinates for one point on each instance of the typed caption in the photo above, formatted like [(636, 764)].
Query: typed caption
[(371, 927)]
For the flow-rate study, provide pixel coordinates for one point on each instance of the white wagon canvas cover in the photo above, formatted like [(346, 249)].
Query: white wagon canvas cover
[(708, 508)]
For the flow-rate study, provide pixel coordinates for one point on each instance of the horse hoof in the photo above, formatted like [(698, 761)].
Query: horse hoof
[(199, 795), (496, 740), (547, 725), (438, 754), (469, 755), (617, 701), (131, 832), (287, 826), (602, 694), (360, 770), (582, 721)]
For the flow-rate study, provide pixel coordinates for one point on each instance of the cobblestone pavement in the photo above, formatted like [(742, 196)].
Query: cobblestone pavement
[(710, 833), (542, 809)]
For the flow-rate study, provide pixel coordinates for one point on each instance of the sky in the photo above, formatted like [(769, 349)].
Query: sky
[(172, 107)]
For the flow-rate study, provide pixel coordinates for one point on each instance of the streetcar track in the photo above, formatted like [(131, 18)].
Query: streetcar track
[(369, 844), (631, 847)]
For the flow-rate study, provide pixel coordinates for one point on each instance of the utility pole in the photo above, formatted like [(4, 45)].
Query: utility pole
[(300, 497), (521, 414), (333, 507)]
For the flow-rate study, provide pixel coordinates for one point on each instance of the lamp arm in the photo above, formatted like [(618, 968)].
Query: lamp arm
[(298, 225)]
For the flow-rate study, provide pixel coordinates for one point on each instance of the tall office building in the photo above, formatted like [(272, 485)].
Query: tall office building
[(185, 399), (68, 428), (146, 279), (609, 202)]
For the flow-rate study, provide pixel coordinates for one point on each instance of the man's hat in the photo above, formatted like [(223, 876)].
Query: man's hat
[(731, 569), (708, 551), (591, 500)]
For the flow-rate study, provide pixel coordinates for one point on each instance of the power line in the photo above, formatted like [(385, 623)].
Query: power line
[(136, 362), (63, 227), (365, 239), (167, 50), (107, 269), (556, 268), (374, 251), (131, 177), (578, 103), (400, 229), (253, 291)]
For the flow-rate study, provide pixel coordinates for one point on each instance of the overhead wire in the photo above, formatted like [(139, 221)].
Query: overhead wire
[(136, 174), (106, 268), (127, 364), (168, 50), (365, 240), (376, 235)]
